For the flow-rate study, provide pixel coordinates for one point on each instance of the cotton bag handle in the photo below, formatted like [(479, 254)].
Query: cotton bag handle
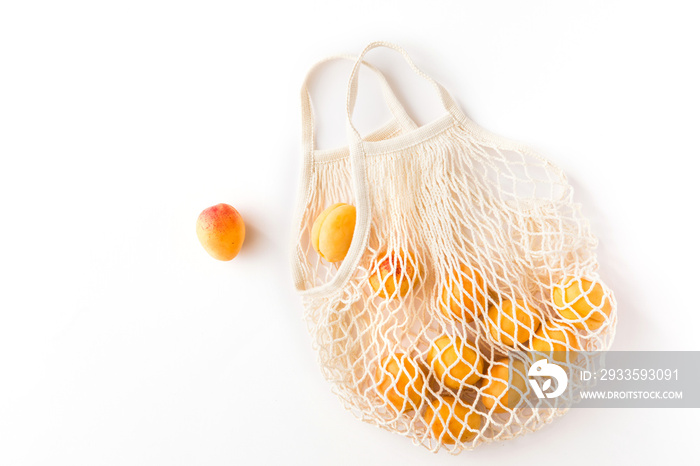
[(445, 97), (307, 115)]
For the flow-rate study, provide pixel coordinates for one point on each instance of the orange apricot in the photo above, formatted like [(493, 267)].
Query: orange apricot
[(501, 392), (512, 321), (582, 301), (464, 295), (221, 231), (393, 274), (400, 382), (331, 233), (455, 363), (451, 421)]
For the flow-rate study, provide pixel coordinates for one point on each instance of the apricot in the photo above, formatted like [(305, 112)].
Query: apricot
[(464, 296), (582, 301), (331, 233), (451, 421), (511, 322), (221, 231), (551, 337), (400, 382), (498, 391), (455, 364), (393, 273)]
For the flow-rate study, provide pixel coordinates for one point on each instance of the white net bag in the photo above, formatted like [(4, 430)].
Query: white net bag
[(424, 256)]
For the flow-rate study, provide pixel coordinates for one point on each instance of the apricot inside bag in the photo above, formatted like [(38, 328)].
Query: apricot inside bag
[(464, 247)]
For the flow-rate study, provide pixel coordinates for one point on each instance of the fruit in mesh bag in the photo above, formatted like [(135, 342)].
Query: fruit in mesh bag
[(450, 420), (582, 301), (455, 363), (332, 232), (512, 321), (400, 382), (501, 392), (394, 273), (221, 231), (464, 295), (553, 341)]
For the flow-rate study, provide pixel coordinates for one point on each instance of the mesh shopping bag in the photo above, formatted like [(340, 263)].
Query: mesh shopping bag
[(464, 248)]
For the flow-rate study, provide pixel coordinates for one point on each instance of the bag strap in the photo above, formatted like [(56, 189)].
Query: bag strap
[(307, 115), (445, 97)]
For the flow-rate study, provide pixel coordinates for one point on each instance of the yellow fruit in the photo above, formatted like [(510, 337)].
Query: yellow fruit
[(221, 231), (464, 296), (454, 363), (551, 337), (451, 421), (498, 392), (400, 382), (332, 232), (511, 322), (392, 269), (576, 299)]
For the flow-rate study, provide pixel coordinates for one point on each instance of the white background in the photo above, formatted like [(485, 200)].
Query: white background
[(122, 342)]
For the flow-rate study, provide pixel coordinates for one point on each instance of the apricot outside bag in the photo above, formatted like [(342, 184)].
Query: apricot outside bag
[(466, 247)]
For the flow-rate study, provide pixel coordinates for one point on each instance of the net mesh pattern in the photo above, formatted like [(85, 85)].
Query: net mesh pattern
[(462, 233)]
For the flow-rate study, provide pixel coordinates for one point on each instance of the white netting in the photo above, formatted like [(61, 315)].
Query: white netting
[(474, 246)]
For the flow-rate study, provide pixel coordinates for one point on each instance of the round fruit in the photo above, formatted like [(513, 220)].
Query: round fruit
[(582, 301), (464, 296), (332, 232), (498, 391), (451, 421), (400, 382), (393, 274), (221, 231), (454, 363), (512, 321), (551, 337)]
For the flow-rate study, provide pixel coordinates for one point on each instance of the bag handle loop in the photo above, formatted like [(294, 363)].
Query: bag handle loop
[(307, 114), (445, 97)]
